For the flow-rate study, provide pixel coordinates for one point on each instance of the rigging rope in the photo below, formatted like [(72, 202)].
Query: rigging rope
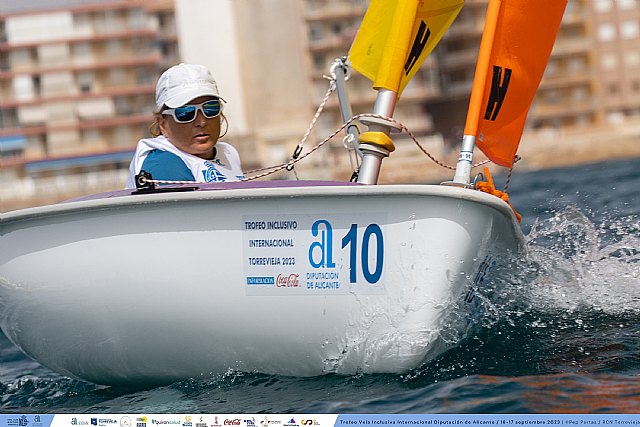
[(489, 187), (298, 156), (273, 169)]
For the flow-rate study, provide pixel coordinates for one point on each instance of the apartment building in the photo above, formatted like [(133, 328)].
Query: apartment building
[(592, 78), (76, 86)]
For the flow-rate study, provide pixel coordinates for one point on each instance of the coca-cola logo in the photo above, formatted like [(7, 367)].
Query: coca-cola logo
[(234, 422), (290, 281)]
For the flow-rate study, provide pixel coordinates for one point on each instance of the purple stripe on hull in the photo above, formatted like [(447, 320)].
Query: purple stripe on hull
[(224, 186)]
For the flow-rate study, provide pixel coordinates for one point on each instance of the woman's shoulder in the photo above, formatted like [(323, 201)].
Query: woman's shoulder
[(163, 156), (166, 165)]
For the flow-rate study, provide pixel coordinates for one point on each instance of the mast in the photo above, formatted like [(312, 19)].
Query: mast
[(376, 144), (392, 43), (516, 44), (462, 176)]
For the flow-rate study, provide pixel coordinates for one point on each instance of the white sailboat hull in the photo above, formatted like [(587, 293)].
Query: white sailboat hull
[(295, 281)]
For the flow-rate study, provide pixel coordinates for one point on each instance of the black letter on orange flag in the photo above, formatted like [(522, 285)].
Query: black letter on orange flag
[(498, 92), (418, 46)]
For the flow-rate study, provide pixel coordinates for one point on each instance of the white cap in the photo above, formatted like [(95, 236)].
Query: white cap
[(182, 83)]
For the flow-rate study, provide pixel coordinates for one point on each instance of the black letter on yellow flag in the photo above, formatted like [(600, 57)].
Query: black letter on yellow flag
[(418, 46), (498, 92)]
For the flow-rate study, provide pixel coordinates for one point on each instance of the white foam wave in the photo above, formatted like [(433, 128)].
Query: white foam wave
[(579, 264)]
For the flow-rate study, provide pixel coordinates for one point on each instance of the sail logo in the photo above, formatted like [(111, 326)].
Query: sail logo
[(499, 86), (419, 43)]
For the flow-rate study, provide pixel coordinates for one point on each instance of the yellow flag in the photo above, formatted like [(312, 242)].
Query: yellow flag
[(396, 36)]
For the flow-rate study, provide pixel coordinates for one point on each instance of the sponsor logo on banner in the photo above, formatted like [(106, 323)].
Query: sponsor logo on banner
[(261, 280), (77, 422), (288, 281), (215, 422), (201, 423), (266, 422), (141, 421), (292, 422), (22, 421), (187, 421), (251, 422), (165, 422), (232, 422)]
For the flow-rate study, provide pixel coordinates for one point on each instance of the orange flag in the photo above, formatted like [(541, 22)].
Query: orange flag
[(514, 51)]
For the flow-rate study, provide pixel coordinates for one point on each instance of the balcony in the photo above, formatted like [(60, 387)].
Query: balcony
[(10, 102), (542, 111), (98, 64), (110, 122), (334, 11)]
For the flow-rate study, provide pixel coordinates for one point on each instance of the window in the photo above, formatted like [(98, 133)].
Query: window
[(137, 19), (85, 82), (37, 84), (613, 88), (627, 4), (606, 33), (320, 62), (609, 61), (315, 32), (114, 47), (629, 30), (117, 77), (552, 96), (552, 68), (603, 6), (579, 94), (632, 59), (576, 64), (8, 118), (582, 121), (82, 53)]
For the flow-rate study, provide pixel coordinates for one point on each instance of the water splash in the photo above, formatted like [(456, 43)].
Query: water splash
[(580, 265)]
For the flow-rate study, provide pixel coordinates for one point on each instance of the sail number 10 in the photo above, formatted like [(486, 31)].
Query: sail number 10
[(321, 250)]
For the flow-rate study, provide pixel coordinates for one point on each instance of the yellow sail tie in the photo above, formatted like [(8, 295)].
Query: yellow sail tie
[(379, 139)]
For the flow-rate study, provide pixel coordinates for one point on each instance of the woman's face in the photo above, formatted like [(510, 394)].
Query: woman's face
[(197, 137)]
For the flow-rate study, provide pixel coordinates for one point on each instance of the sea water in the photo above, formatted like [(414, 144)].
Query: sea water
[(560, 330)]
